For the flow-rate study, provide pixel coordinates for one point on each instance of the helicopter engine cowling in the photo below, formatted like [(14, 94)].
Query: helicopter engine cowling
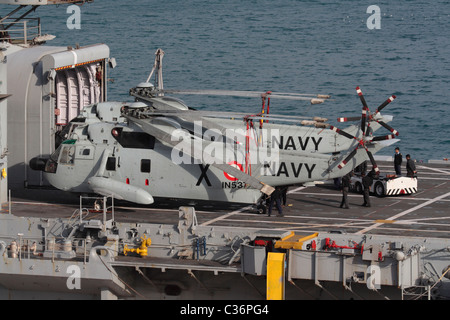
[(119, 190)]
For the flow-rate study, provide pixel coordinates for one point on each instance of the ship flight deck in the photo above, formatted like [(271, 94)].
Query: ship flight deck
[(308, 209)]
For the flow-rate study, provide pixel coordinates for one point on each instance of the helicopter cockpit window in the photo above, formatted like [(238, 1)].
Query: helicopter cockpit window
[(85, 152), (52, 163), (55, 155), (67, 154)]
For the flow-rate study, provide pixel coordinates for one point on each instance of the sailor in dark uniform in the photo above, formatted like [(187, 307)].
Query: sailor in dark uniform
[(361, 168), (398, 162), (367, 183), (410, 167), (345, 187), (275, 198)]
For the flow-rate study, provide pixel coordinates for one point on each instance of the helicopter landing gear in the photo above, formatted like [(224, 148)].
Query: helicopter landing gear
[(261, 206), (261, 209)]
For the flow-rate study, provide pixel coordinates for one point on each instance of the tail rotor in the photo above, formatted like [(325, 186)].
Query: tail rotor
[(365, 119)]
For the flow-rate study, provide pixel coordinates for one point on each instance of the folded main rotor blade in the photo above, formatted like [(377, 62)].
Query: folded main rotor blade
[(320, 96), (198, 114), (254, 94), (185, 147)]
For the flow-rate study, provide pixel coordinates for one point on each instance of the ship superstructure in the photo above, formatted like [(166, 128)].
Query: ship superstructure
[(47, 86)]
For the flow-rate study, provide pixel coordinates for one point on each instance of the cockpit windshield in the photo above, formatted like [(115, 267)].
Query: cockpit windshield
[(55, 155), (65, 153)]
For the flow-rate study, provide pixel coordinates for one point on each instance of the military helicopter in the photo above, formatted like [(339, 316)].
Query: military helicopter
[(157, 147)]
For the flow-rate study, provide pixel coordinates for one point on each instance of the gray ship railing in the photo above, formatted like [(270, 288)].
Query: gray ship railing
[(20, 32), (62, 246), (23, 248)]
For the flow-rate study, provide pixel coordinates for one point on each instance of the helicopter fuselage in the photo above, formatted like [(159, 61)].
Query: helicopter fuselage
[(119, 158)]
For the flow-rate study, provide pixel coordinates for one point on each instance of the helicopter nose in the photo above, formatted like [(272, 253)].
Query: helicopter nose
[(38, 164)]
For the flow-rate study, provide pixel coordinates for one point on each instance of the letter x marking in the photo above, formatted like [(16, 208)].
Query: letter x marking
[(203, 175)]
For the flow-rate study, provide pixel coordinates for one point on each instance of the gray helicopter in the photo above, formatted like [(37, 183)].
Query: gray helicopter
[(159, 148)]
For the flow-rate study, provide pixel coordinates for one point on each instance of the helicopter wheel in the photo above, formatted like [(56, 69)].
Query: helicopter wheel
[(261, 209)]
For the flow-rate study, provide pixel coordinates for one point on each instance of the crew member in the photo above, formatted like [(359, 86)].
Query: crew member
[(410, 167), (398, 162), (284, 195), (367, 183), (362, 168), (275, 198), (345, 187)]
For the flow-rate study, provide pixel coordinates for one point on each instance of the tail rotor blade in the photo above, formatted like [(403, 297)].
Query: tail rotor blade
[(363, 120), (348, 119), (365, 110), (372, 160), (346, 160), (384, 104), (389, 128), (361, 97), (341, 132), (388, 137), (366, 138)]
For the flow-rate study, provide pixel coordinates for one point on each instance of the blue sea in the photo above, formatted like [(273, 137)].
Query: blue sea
[(286, 46)]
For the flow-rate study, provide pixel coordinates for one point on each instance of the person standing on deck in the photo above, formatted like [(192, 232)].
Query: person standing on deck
[(398, 162), (367, 183), (345, 187), (410, 167), (275, 198)]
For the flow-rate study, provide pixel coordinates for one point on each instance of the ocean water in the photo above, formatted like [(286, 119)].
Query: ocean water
[(285, 46)]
